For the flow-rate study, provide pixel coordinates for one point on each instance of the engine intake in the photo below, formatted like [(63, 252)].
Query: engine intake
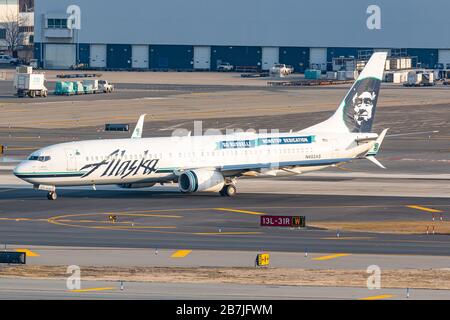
[(201, 180)]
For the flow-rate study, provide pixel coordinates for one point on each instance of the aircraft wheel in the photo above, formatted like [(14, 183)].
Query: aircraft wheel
[(52, 196), (228, 191)]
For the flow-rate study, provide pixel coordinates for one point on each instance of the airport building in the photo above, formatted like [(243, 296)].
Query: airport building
[(200, 34)]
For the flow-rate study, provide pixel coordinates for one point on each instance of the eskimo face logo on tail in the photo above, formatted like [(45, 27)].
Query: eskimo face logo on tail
[(363, 105)]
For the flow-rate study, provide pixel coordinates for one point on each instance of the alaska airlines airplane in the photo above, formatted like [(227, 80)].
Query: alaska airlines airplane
[(213, 163)]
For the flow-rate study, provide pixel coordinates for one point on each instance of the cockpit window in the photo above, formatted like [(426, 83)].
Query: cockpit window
[(40, 158)]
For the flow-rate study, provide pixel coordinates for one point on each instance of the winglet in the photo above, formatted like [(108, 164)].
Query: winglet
[(137, 133)]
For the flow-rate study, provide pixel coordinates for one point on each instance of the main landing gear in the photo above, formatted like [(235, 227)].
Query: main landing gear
[(229, 190), (52, 195)]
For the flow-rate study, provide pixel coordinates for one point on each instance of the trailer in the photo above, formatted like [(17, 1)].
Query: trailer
[(90, 86), (420, 78), (27, 83), (307, 82)]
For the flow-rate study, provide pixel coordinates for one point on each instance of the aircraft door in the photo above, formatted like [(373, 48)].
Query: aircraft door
[(71, 160)]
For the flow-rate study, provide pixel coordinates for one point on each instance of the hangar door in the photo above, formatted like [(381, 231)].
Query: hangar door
[(98, 56), (140, 57), (318, 57), (202, 58), (270, 56), (59, 56), (444, 57)]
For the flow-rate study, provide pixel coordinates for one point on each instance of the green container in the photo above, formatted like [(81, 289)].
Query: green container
[(64, 88), (312, 74)]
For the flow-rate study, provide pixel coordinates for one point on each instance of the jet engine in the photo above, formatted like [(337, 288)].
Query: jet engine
[(201, 180)]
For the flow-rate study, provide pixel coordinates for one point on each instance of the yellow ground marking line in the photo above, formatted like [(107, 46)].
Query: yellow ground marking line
[(332, 256), (19, 148), (180, 253), (63, 217), (347, 238), (93, 289), (147, 215), (383, 296), (343, 168), (425, 209), (22, 219), (225, 233), (239, 211), (28, 252)]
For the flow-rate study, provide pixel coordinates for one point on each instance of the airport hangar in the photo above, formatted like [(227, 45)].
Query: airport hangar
[(200, 34)]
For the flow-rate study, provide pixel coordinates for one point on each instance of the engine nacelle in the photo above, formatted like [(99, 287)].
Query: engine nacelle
[(135, 185), (201, 180)]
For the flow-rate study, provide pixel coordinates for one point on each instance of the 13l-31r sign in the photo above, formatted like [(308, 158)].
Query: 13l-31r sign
[(282, 221)]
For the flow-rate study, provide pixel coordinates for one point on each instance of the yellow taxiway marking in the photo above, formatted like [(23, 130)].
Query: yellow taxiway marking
[(383, 296), (28, 252), (239, 211), (93, 289), (180, 253), (225, 233), (332, 256), (20, 148), (425, 209)]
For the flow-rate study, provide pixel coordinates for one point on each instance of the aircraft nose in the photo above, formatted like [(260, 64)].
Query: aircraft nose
[(20, 169)]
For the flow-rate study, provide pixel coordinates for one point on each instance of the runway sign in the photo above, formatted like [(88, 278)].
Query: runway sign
[(262, 260), (13, 257), (283, 221)]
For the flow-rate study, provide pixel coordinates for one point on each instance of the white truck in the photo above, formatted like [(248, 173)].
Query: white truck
[(281, 69), (27, 83), (225, 66), (105, 86), (5, 59)]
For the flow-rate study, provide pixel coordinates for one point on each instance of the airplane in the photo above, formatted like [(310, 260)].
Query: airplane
[(213, 163)]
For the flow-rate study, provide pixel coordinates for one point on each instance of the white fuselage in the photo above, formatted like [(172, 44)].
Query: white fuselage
[(160, 160)]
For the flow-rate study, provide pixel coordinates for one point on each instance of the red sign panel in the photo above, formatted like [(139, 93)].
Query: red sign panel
[(276, 221)]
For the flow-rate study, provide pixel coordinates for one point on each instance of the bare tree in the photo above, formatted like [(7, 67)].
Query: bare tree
[(12, 23), (26, 5)]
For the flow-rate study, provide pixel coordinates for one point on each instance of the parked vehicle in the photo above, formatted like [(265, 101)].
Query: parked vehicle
[(90, 86), (225, 66), (420, 78), (105, 86), (5, 59), (281, 69), (27, 83)]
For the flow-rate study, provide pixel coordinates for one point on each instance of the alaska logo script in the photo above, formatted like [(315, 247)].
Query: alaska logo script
[(122, 169)]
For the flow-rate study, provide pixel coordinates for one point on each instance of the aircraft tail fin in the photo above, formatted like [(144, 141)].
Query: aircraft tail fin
[(357, 111)]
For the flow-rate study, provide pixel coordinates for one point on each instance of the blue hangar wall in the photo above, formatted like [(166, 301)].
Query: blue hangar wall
[(169, 32)]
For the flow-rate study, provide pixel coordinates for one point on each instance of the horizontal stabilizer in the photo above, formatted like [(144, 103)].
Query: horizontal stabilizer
[(375, 161)]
